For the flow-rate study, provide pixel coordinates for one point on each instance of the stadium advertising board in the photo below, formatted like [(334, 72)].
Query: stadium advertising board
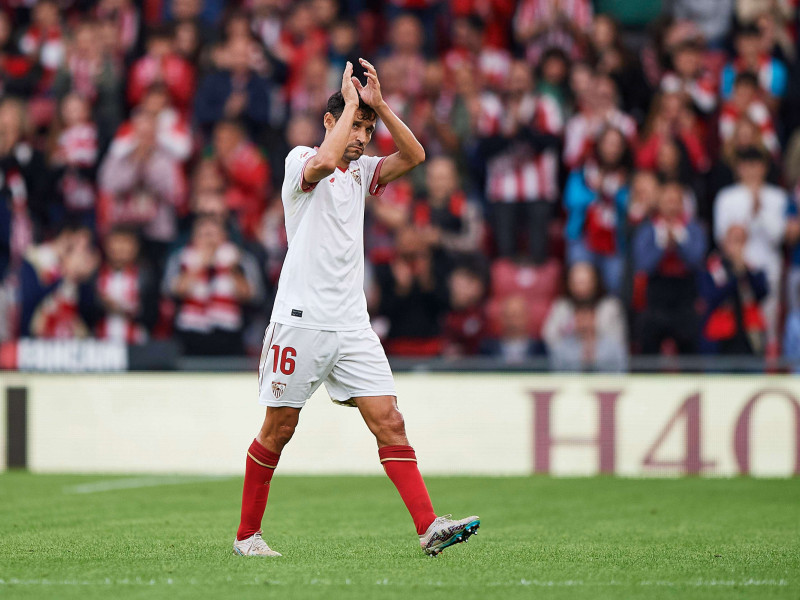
[(498, 424)]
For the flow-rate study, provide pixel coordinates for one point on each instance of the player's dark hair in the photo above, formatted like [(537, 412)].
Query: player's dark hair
[(336, 107)]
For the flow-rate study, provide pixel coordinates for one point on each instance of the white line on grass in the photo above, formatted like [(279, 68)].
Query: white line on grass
[(132, 483), (522, 582)]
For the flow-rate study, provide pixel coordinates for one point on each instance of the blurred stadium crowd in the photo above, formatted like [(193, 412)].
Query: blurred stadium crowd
[(590, 191)]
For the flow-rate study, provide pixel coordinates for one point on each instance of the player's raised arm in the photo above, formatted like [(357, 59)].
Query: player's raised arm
[(330, 152), (410, 152)]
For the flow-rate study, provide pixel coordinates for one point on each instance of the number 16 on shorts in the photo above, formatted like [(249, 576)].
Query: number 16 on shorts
[(276, 365)]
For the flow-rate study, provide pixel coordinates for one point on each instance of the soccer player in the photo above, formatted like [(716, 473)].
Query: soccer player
[(319, 330)]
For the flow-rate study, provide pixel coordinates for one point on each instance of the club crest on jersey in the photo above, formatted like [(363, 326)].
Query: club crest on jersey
[(278, 388), (356, 173)]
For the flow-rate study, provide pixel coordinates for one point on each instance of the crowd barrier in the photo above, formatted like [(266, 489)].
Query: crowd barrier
[(475, 424)]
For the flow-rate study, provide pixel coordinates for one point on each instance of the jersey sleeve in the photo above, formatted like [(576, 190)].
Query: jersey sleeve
[(371, 166), (295, 167)]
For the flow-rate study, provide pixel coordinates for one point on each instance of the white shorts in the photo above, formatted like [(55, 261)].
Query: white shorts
[(295, 361)]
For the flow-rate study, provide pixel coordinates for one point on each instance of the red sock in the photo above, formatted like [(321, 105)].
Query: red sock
[(400, 464), (258, 472)]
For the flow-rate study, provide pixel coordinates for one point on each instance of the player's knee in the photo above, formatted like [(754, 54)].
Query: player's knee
[(284, 433), (392, 428)]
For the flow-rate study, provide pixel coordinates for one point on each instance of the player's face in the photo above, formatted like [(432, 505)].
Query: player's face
[(360, 135)]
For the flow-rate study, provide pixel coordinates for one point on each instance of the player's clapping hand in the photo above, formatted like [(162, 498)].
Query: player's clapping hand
[(371, 94), (349, 92)]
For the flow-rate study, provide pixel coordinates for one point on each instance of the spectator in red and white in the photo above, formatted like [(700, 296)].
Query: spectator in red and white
[(519, 138), (172, 129), (95, 76), (142, 186), (751, 57), (74, 160), (213, 282), (235, 92), (733, 292), (125, 18), (470, 51), (543, 24), (57, 298), (465, 323), (127, 292), (444, 216), (689, 76), (597, 110), (668, 251), (596, 202), (19, 74), (746, 101), (246, 173), (43, 41), (761, 208), (161, 64), (672, 120)]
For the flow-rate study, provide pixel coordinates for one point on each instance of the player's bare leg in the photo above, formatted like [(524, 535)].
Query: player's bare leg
[(385, 421), (262, 458)]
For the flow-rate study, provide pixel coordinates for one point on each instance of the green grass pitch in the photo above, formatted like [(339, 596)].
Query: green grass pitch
[(348, 537)]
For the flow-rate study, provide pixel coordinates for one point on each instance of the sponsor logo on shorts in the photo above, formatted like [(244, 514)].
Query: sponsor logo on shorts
[(278, 388)]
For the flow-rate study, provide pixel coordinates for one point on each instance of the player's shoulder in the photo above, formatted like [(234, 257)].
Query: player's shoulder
[(368, 162), (300, 153)]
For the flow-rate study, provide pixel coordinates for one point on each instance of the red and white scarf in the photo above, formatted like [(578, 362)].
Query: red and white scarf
[(211, 303), (21, 224), (121, 286), (600, 228)]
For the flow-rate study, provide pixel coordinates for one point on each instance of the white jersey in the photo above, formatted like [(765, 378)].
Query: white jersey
[(322, 281)]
